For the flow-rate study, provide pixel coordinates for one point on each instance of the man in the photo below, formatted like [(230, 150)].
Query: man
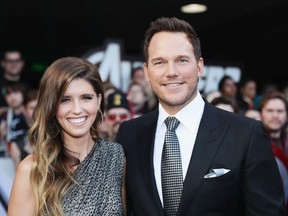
[(117, 111), (273, 110), (12, 65), (227, 164)]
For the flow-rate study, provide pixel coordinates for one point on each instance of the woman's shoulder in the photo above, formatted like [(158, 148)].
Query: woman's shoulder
[(112, 146), (25, 165)]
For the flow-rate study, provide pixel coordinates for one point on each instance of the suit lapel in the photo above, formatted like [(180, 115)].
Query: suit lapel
[(146, 136), (206, 145)]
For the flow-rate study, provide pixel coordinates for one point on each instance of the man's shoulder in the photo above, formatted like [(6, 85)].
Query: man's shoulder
[(240, 121), (230, 117)]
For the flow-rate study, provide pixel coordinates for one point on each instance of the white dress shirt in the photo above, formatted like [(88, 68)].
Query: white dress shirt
[(189, 118)]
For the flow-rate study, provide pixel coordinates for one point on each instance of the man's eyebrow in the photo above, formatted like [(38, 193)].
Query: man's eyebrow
[(183, 56), (157, 59)]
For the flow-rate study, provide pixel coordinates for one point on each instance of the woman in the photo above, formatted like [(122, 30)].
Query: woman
[(72, 171)]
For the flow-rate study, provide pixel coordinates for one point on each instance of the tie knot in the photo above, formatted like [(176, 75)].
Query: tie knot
[(171, 123)]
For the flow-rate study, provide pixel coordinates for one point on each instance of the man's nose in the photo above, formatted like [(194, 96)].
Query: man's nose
[(172, 69)]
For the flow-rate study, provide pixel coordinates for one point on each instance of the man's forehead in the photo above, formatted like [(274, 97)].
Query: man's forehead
[(118, 110), (13, 55)]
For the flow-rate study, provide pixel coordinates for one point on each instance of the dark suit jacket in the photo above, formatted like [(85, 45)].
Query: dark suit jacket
[(224, 140)]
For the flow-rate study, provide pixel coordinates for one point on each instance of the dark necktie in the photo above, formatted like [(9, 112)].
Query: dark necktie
[(171, 169)]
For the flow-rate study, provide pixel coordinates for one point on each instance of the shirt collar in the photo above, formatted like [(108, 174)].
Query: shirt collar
[(189, 116)]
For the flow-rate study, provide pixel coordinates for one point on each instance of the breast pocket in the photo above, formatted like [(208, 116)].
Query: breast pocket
[(218, 182)]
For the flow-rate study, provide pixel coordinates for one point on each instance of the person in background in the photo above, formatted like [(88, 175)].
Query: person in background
[(13, 124), (223, 103), (72, 171), (253, 113), (228, 89), (268, 88), (246, 95), (21, 147), (105, 131), (118, 110), (109, 88), (211, 95), (226, 165), (137, 97), (273, 109), (138, 76), (12, 64)]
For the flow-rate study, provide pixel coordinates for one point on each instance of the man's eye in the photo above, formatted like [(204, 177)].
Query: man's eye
[(182, 60), (158, 62)]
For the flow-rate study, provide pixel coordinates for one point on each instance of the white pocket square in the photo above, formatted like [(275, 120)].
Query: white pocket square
[(216, 173)]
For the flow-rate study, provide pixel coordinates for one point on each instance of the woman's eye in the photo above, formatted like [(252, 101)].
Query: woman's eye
[(64, 100), (87, 98)]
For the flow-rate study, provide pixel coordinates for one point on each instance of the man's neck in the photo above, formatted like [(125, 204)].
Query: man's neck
[(11, 77), (275, 134)]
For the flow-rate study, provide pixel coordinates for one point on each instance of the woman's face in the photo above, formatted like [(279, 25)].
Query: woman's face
[(229, 89), (78, 109), (136, 94)]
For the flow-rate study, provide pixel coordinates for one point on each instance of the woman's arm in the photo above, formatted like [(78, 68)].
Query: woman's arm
[(22, 200)]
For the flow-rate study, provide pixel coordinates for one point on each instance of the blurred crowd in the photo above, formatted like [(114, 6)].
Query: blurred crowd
[(18, 99)]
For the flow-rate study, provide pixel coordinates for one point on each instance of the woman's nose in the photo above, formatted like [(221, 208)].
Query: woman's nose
[(77, 108)]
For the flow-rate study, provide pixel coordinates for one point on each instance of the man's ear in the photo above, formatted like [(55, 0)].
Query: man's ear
[(145, 68), (200, 67)]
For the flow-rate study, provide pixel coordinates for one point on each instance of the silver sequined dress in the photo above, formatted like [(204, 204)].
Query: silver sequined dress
[(99, 178)]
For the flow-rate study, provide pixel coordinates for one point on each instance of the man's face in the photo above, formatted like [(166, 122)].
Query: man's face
[(115, 116), (172, 70), (12, 63), (274, 115)]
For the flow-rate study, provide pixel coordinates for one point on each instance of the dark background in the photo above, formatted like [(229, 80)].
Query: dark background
[(252, 34)]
